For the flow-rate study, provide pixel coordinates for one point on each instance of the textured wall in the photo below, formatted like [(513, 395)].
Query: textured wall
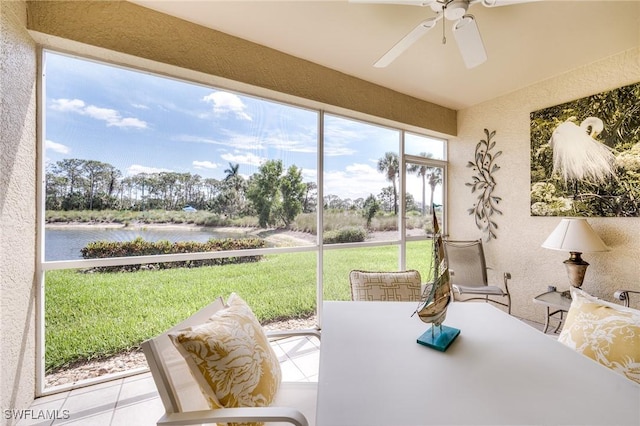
[(129, 28), (17, 207), (517, 248)]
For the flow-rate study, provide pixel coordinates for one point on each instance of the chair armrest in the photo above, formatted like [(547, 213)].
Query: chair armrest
[(282, 334), (624, 295), (506, 277), (236, 415)]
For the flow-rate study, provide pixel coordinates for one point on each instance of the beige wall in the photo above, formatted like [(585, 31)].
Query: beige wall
[(517, 248), (17, 208)]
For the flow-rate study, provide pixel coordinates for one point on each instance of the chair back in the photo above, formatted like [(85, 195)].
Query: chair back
[(466, 262), (397, 286), (177, 388)]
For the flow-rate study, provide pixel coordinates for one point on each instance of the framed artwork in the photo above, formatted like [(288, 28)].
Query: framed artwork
[(585, 156)]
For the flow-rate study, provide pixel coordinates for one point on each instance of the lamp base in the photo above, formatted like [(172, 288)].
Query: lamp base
[(576, 268)]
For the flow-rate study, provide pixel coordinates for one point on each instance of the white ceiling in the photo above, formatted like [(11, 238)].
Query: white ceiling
[(525, 43)]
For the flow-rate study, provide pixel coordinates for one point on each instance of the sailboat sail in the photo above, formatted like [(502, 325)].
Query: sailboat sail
[(437, 296)]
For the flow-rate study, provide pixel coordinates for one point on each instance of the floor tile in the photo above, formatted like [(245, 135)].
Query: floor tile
[(135, 401), (308, 363), (145, 412), (93, 419), (44, 410), (89, 404), (137, 388), (290, 372)]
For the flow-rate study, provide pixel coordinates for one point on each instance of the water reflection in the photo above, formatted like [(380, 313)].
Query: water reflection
[(65, 243)]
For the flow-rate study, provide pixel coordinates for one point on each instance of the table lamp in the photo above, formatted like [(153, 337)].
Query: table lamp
[(576, 236)]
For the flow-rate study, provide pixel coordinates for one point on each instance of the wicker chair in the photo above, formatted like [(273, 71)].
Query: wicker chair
[(395, 286)]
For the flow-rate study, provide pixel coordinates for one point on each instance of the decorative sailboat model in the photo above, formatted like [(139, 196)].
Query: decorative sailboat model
[(436, 297)]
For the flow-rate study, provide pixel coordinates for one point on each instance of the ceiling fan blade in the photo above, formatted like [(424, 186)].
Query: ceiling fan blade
[(407, 41), (403, 2), (495, 3), (467, 35)]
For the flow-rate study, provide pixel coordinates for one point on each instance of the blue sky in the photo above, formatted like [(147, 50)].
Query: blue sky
[(140, 122)]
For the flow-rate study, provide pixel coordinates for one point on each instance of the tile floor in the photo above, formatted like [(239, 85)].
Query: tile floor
[(134, 400)]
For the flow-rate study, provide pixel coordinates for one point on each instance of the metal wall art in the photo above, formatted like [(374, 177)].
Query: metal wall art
[(484, 184), (585, 156)]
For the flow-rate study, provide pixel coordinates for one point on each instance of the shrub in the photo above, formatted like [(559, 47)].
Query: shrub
[(141, 247), (352, 234)]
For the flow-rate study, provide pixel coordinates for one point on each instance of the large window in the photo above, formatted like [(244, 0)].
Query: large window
[(161, 194)]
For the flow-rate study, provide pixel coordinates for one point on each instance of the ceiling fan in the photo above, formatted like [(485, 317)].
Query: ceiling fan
[(465, 30)]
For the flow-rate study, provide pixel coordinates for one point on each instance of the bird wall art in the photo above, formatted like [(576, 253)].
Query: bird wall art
[(585, 156)]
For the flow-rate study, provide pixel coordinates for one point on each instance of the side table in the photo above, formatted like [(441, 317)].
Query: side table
[(556, 301)]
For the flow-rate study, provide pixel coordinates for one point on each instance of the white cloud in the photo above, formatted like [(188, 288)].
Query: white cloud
[(225, 103), (199, 139), (140, 106), (110, 116), (297, 143), (56, 147), (248, 158), (310, 175), (355, 181), (74, 105), (129, 122), (336, 150), (233, 141), (241, 141), (135, 169), (204, 165)]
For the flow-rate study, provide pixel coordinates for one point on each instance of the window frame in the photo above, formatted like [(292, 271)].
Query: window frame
[(44, 266)]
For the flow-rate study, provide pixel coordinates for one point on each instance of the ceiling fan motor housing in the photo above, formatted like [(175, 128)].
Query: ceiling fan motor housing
[(453, 10)]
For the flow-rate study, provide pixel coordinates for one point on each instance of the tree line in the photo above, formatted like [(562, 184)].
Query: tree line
[(275, 195)]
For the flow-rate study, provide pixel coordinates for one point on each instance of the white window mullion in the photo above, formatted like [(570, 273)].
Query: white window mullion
[(320, 220), (402, 212)]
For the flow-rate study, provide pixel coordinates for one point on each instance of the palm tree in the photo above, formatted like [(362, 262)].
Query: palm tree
[(434, 177), (234, 178), (421, 170), (390, 166), (231, 172)]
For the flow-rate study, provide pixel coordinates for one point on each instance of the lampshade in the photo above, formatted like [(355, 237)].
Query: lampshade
[(574, 235)]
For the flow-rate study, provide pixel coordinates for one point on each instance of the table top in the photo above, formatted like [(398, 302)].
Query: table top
[(498, 371), (554, 299)]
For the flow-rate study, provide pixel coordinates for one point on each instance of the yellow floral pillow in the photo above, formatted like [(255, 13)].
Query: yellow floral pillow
[(605, 332), (230, 358)]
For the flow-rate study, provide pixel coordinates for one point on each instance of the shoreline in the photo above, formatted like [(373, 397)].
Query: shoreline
[(277, 236), (142, 225)]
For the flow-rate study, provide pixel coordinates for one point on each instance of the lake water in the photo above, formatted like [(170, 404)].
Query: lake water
[(65, 244)]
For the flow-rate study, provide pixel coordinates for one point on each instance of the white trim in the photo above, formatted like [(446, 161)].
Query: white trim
[(320, 221), (40, 208), (402, 208)]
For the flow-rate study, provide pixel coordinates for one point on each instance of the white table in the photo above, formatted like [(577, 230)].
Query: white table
[(498, 371)]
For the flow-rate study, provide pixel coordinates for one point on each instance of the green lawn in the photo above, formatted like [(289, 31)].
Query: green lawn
[(89, 315)]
